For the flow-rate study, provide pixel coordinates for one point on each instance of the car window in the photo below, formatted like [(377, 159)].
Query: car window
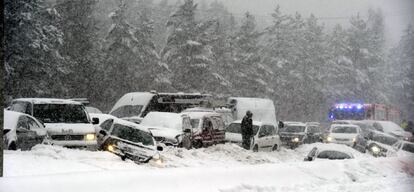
[(22, 107), (313, 129), (409, 147), (194, 123), (295, 129), (207, 124), (132, 134), (344, 130), (263, 131), (186, 123), (106, 125), (270, 130), (127, 111), (330, 154), (22, 122), (218, 123), (378, 126), (33, 124), (384, 139), (234, 128), (60, 113)]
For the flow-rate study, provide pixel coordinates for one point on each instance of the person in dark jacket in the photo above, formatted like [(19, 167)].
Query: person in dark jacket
[(247, 130), (410, 127)]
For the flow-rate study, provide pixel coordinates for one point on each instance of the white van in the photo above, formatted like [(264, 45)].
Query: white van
[(135, 106), (263, 109), (66, 121)]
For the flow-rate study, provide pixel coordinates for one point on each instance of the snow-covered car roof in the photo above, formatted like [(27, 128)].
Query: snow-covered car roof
[(49, 101), (332, 147), (291, 122), (344, 125), (163, 119), (200, 115), (11, 118), (198, 109), (296, 124), (134, 98)]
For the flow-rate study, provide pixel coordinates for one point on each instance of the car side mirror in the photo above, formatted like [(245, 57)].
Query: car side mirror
[(160, 148), (262, 135), (95, 121), (187, 130), (102, 132), (281, 124), (5, 131)]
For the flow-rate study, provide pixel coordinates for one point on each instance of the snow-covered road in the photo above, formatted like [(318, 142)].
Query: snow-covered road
[(225, 168)]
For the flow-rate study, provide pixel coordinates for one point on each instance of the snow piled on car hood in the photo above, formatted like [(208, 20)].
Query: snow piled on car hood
[(76, 128)]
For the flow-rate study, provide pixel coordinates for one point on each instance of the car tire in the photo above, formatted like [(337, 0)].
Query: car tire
[(186, 143), (198, 144), (256, 148), (275, 148), (12, 146)]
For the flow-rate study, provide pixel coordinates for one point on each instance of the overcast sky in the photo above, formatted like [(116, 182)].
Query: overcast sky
[(398, 13)]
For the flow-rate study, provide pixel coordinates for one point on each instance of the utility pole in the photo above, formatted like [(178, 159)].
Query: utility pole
[(1, 87)]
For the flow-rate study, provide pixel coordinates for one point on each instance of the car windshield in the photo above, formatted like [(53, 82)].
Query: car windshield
[(194, 123), (295, 129), (387, 140), (330, 154), (236, 128), (132, 134), (60, 113), (344, 130), (313, 129), (409, 147), (127, 111)]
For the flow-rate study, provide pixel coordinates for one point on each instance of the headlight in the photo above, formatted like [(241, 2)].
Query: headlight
[(329, 139), (156, 156), (375, 149), (90, 136), (110, 148), (295, 139), (353, 140)]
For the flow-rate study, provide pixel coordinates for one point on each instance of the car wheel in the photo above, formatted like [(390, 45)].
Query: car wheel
[(256, 148), (198, 144), (186, 143), (274, 148), (12, 146)]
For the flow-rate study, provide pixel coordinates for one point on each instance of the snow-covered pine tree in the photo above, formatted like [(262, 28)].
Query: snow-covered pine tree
[(33, 64), (251, 76), (187, 51)]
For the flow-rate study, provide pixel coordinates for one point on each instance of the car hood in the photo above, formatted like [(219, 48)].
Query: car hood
[(69, 128), (401, 134), (343, 135), (165, 132)]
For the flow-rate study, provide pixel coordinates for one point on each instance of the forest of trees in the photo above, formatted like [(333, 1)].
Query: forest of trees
[(103, 49)]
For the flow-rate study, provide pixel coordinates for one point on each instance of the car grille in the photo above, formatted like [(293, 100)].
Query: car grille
[(67, 137)]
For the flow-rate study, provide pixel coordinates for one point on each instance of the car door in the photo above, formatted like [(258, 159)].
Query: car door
[(38, 128), (261, 137), (25, 136), (218, 129)]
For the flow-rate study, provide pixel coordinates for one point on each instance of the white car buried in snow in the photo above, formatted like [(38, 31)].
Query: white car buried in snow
[(343, 134), (331, 151), (265, 135), (21, 131), (169, 128), (66, 121)]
